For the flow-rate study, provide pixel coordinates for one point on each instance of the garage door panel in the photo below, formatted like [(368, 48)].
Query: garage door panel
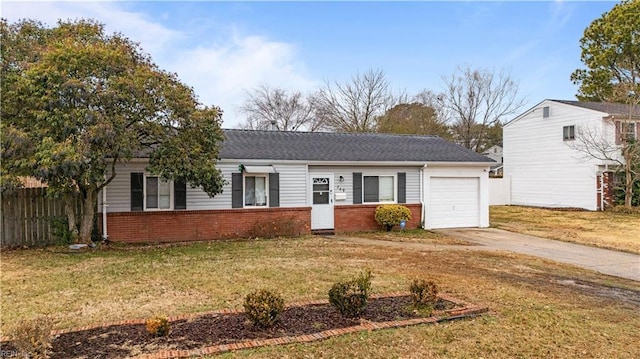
[(454, 202)]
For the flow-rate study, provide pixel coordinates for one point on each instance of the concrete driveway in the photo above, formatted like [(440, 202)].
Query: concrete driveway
[(615, 263)]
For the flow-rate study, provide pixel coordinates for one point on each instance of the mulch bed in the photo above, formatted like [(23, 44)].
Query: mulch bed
[(198, 331)]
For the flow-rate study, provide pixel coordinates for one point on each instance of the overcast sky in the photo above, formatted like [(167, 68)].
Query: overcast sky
[(223, 49)]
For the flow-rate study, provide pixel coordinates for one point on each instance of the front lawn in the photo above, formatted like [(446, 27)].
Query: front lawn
[(600, 229), (539, 308), (412, 236)]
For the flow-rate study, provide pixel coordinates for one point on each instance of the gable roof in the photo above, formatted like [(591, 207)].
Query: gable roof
[(342, 147), (606, 107), (609, 108)]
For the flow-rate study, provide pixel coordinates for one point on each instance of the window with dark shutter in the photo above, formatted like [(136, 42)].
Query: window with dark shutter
[(236, 190), (274, 190), (402, 187), (137, 191), (180, 195), (357, 188)]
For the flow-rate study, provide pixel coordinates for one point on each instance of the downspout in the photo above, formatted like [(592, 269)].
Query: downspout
[(422, 208), (105, 236)]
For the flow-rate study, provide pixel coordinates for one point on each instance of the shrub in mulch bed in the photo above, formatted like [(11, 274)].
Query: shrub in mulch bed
[(205, 330)]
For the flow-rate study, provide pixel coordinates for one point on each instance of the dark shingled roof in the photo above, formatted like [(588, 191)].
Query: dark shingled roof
[(606, 107), (331, 146)]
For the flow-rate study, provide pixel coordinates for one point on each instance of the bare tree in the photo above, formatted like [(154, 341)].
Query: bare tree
[(621, 151), (267, 106), (353, 106), (475, 99)]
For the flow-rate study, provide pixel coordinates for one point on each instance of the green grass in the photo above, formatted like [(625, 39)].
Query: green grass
[(535, 313)]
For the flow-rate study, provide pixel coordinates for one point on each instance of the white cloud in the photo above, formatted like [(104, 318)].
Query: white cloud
[(152, 36), (219, 73)]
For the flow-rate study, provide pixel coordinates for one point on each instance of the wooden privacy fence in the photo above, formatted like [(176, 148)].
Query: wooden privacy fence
[(27, 216)]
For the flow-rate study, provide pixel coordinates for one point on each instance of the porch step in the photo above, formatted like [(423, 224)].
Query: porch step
[(323, 232)]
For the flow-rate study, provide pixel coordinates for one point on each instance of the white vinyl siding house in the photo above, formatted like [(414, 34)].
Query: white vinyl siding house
[(541, 160), (331, 176)]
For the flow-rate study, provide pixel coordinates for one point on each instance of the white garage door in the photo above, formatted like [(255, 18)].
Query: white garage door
[(454, 202)]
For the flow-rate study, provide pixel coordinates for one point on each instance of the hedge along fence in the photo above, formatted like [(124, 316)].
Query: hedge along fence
[(27, 216)]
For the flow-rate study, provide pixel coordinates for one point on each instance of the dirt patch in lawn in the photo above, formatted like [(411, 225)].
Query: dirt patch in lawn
[(414, 236), (127, 340)]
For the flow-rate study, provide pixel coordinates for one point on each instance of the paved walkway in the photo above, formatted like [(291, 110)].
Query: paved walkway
[(615, 263)]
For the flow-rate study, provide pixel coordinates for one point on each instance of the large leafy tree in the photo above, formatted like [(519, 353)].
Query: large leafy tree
[(611, 53), (412, 118), (76, 101)]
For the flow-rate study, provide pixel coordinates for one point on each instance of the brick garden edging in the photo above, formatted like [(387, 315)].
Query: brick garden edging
[(464, 310)]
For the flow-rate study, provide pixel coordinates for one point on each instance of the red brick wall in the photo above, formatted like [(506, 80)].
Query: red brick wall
[(604, 184), (361, 217), (176, 226)]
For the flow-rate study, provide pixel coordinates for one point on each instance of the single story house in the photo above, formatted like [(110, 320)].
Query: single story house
[(543, 157), (326, 181)]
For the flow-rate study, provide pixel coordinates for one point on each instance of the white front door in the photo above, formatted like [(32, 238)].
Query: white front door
[(321, 201)]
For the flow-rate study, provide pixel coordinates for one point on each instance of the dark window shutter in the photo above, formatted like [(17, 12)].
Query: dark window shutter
[(137, 191), (274, 190), (618, 132), (180, 195), (236, 190), (357, 188), (402, 187), (371, 188)]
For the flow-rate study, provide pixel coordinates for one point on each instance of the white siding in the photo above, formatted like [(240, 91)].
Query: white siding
[(499, 191), (292, 188), (544, 169), (293, 185), (413, 179)]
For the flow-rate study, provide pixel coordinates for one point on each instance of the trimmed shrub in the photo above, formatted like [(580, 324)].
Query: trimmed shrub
[(283, 226), (263, 307), (424, 293), (158, 326), (33, 337), (350, 297), (389, 215)]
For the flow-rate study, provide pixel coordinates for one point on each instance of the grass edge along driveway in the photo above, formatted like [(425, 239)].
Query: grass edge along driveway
[(600, 229)]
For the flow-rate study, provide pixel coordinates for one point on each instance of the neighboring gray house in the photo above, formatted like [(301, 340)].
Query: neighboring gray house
[(495, 153), (327, 181)]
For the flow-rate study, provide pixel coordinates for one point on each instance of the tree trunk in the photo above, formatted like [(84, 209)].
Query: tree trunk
[(628, 186), (628, 174), (88, 211), (70, 210)]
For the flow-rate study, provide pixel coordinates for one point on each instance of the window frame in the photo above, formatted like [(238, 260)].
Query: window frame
[(144, 194), (625, 133), (571, 136), (394, 189), (244, 189)]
